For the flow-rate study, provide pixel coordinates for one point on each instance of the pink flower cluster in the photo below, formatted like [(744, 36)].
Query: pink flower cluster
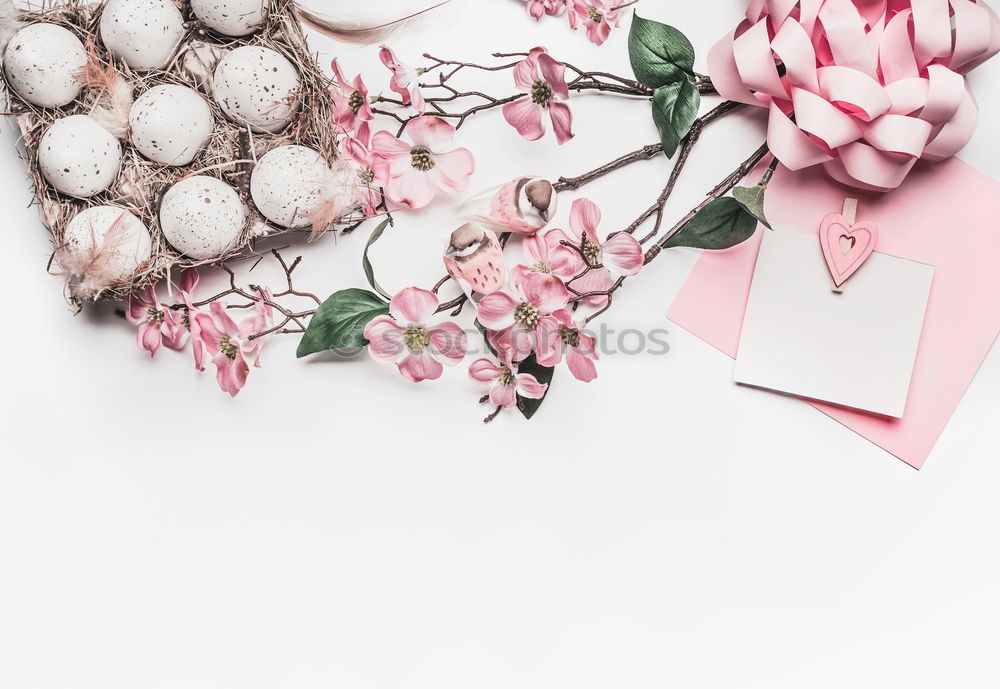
[(232, 346), (596, 17), (411, 169), (530, 313)]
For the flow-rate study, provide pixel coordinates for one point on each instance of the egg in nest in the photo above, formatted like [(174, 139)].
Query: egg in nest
[(171, 124), (142, 33), (42, 62), (104, 244), (231, 17), (79, 157), (202, 217), (258, 87)]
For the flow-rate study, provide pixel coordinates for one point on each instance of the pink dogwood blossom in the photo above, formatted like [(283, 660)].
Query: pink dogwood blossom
[(504, 380), (619, 256), (404, 80), (544, 79), (404, 338), (189, 315), (580, 348), (232, 346), (539, 8), (546, 253), (158, 324), (420, 169), (523, 312), (373, 170), (351, 108), (597, 17)]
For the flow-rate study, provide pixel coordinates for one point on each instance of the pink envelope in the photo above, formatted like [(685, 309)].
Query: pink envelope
[(946, 214)]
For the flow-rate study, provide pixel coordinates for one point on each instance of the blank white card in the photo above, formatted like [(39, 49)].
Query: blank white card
[(854, 349)]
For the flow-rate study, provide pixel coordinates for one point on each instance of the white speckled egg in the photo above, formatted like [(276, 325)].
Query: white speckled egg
[(132, 247), (288, 183), (171, 124), (41, 63), (202, 217), (258, 87), (143, 33), (231, 17), (78, 156)]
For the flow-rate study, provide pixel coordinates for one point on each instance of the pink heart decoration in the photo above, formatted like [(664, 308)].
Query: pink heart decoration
[(846, 247)]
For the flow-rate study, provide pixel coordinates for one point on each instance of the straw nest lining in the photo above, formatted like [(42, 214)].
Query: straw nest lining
[(229, 155)]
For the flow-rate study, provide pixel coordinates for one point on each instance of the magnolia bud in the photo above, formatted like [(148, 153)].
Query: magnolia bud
[(475, 259), (524, 205)]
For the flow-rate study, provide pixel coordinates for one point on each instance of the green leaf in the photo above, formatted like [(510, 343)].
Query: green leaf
[(721, 224), (752, 199), (675, 108), (340, 321), (660, 54), (366, 262), (530, 365)]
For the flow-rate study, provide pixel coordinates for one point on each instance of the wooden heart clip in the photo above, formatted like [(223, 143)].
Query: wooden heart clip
[(846, 243)]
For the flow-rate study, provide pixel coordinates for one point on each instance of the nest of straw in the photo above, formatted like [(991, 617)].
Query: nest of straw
[(230, 155)]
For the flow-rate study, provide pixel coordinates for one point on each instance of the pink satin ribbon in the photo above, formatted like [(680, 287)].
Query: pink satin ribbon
[(863, 87)]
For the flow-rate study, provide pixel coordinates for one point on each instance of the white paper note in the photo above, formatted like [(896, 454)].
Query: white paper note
[(855, 348)]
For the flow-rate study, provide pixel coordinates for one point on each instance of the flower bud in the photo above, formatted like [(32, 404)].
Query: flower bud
[(524, 205), (475, 259)]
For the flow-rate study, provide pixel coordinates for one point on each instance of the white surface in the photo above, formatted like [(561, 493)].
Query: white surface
[(336, 526), (855, 349)]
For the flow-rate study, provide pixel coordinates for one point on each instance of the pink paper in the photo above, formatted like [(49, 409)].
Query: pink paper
[(946, 214)]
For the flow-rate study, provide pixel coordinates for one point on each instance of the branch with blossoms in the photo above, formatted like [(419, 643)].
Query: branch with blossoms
[(596, 17), (205, 324), (534, 288)]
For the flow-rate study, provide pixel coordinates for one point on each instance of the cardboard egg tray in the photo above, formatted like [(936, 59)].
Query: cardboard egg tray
[(229, 155)]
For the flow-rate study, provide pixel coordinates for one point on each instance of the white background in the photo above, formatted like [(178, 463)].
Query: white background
[(336, 526)]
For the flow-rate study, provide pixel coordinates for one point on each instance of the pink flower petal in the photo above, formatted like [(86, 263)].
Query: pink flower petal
[(622, 254), (562, 121), (496, 310), (385, 340), (418, 366), (139, 304), (430, 131), (389, 147), (582, 368), (526, 117), (483, 371), (189, 280), (413, 305), (517, 342), (150, 338), (554, 73), (536, 249), (526, 71), (597, 280), (453, 170), (448, 343), (528, 386), (221, 316), (547, 292), (565, 263), (549, 344), (503, 395), (414, 189), (584, 217)]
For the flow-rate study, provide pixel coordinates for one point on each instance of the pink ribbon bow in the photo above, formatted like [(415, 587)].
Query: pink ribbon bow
[(864, 87)]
